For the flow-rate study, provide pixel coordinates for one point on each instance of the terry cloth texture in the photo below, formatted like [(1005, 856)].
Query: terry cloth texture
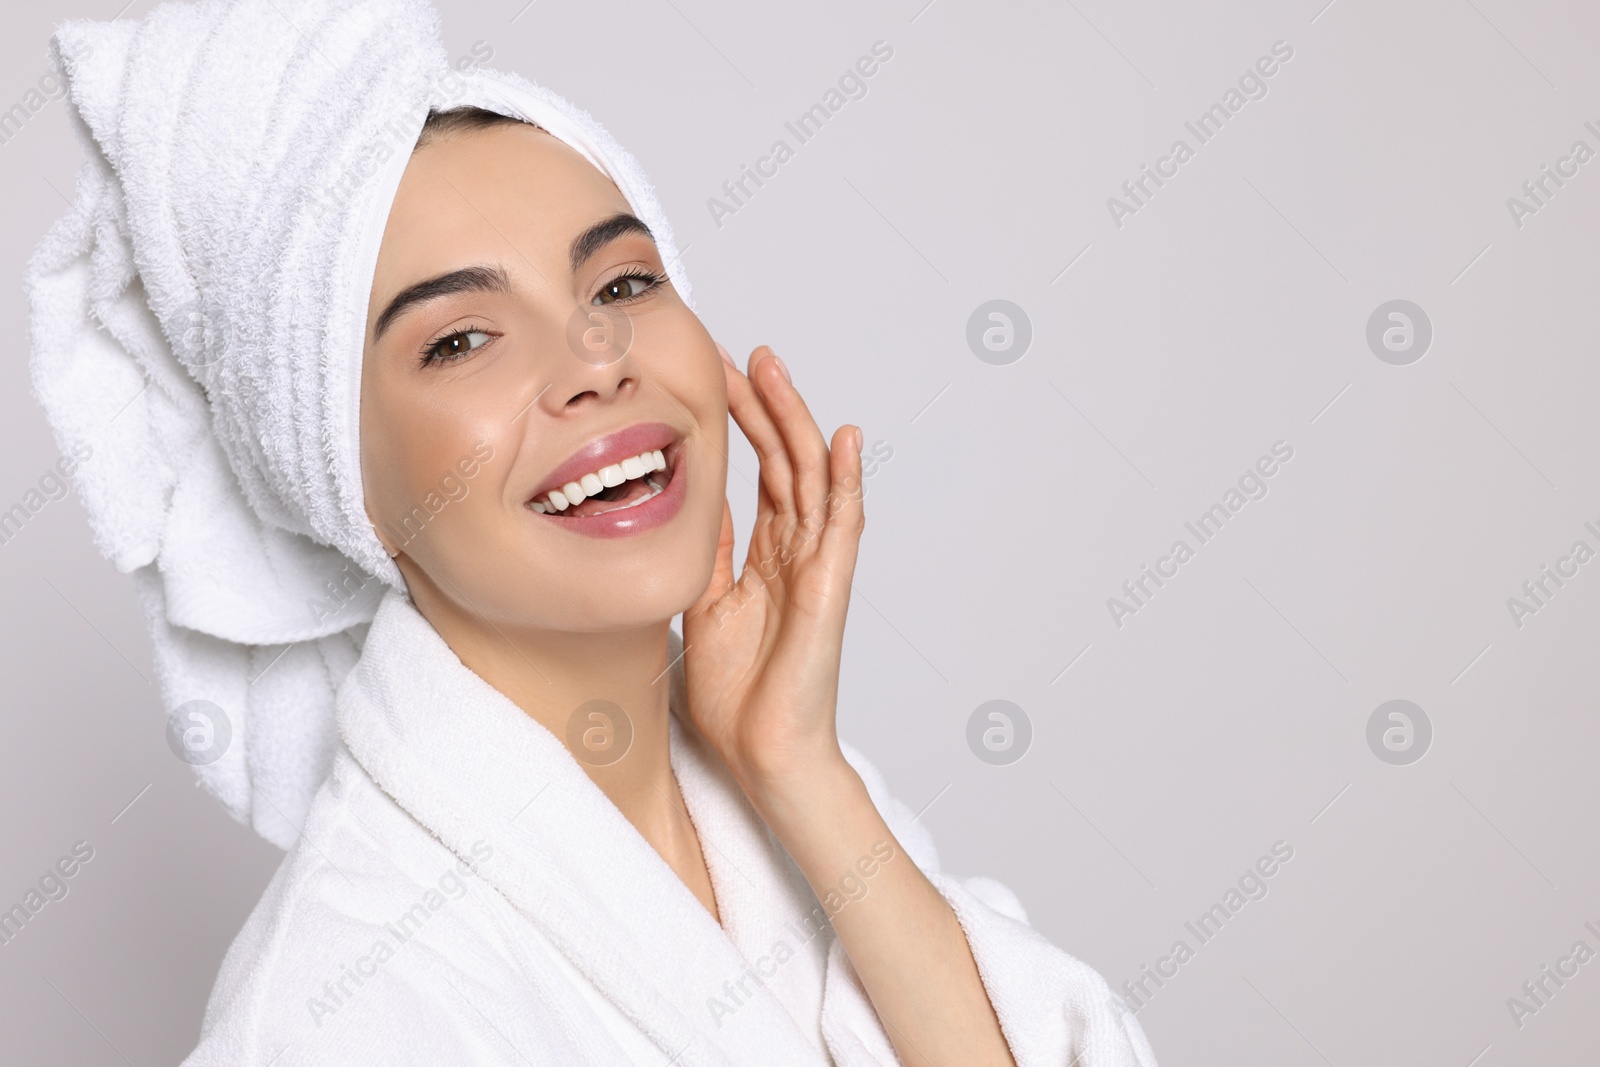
[(198, 319)]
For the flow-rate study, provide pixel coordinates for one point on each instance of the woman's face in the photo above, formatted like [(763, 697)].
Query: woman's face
[(522, 337)]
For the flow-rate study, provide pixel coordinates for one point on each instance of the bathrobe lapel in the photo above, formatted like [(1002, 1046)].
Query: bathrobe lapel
[(471, 767)]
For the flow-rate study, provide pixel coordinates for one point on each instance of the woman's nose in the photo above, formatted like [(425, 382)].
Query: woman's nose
[(597, 366)]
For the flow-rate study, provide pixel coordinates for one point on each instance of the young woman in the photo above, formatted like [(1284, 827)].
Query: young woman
[(547, 831)]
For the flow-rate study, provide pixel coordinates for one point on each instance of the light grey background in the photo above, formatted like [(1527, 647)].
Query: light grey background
[(1229, 313)]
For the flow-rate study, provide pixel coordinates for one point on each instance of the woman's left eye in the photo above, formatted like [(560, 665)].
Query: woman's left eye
[(626, 288), (453, 347)]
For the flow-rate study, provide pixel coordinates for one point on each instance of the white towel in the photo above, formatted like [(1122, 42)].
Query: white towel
[(198, 319), (573, 942)]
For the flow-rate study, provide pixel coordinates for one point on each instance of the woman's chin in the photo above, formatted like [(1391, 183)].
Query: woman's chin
[(649, 589), (526, 579)]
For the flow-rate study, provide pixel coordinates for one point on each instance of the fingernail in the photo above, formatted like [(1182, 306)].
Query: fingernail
[(858, 440), (779, 362), (725, 357)]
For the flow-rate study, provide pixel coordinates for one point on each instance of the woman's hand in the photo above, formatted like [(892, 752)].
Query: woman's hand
[(761, 658), (761, 653)]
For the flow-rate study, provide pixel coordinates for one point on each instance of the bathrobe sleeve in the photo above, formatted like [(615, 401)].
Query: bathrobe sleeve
[(1054, 1010)]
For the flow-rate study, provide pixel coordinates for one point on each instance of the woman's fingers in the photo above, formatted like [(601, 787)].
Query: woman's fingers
[(821, 589), (811, 490), (722, 570), (750, 413), (846, 518), (807, 450)]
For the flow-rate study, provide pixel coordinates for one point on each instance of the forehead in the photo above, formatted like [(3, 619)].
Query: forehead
[(510, 191)]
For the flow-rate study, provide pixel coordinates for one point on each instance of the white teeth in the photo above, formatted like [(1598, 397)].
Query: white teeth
[(575, 492), (655, 491)]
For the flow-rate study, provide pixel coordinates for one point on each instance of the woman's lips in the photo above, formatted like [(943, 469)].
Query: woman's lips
[(605, 451), (623, 519)]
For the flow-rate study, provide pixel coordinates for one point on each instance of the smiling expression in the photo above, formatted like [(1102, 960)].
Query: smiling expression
[(527, 354)]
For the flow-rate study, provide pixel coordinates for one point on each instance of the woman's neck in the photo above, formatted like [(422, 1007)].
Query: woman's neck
[(600, 694)]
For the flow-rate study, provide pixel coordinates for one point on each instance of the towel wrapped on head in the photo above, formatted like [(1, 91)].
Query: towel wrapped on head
[(197, 324)]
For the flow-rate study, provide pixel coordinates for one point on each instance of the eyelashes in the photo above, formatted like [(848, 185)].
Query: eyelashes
[(445, 350), (649, 281), (631, 285)]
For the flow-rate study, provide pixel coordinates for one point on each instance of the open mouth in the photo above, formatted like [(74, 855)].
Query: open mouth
[(619, 484), (612, 487)]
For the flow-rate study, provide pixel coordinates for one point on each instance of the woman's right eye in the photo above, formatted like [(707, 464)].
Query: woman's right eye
[(453, 347)]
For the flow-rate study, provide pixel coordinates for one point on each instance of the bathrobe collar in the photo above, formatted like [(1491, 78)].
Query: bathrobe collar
[(471, 766)]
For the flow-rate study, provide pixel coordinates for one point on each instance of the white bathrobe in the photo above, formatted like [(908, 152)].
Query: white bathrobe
[(463, 893)]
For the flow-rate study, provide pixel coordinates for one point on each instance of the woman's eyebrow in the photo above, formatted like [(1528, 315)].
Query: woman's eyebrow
[(487, 279), (476, 279), (603, 233)]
